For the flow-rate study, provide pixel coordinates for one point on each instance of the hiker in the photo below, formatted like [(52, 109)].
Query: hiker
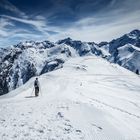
[(137, 72), (36, 86)]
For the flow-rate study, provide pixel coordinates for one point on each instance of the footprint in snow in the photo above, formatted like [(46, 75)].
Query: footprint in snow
[(68, 128), (26, 134), (30, 112), (2, 121), (78, 131), (40, 131), (59, 114), (22, 125), (49, 129), (22, 114), (14, 125), (67, 120), (97, 128)]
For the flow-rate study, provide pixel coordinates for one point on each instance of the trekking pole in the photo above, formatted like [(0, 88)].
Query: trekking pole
[(32, 91)]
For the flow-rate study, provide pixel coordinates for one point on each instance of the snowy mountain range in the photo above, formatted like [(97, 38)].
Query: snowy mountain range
[(20, 62)]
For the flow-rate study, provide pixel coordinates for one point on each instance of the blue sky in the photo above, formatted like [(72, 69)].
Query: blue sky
[(86, 20)]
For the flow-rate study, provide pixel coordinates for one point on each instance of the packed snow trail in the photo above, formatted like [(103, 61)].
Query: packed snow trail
[(88, 99)]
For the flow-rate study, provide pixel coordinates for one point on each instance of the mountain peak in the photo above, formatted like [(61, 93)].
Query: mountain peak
[(135, 32), (64, 40)]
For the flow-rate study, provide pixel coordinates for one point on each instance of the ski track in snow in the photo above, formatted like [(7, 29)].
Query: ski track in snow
[(88, 99)]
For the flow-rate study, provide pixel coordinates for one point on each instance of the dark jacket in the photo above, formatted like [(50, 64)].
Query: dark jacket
[(36, 84)]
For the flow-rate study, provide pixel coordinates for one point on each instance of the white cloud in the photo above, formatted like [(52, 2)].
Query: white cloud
[(102, 27), (10, 7), (37, 24), (3, 24)]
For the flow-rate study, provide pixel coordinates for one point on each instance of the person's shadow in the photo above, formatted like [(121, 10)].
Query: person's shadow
[(30, 96)]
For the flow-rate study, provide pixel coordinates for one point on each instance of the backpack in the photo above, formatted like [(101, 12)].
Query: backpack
[(36, 83)]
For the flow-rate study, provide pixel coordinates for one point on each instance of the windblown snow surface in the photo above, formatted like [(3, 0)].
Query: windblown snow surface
[(88, 99)]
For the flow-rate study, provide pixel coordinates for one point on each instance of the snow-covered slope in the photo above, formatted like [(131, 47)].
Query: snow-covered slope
[(88, 99), (129, 57), (22, 61), (28, 59), (124, 51)]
